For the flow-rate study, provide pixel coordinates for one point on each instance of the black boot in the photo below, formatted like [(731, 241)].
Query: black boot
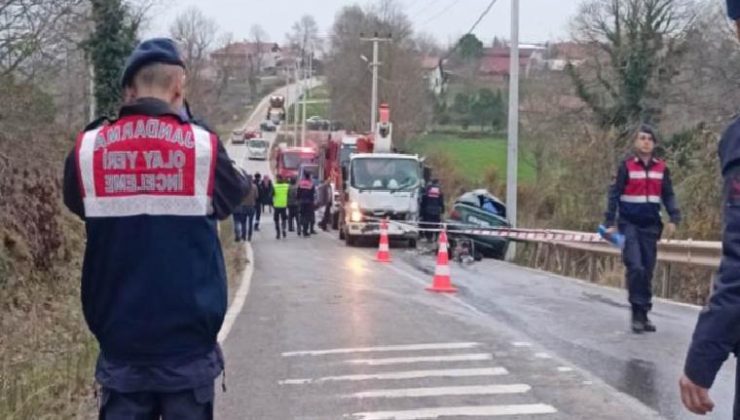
[(649, 326), (638, 321)]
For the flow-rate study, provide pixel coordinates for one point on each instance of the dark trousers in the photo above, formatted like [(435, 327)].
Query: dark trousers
[(293, 222), (257, 216), (186, 405), (307, 218), (281, 219), (433, 220), (326, 219), (240, 226), (639, 255), (249, 221)]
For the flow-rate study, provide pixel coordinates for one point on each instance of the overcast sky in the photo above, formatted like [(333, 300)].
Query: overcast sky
[(541, 20)]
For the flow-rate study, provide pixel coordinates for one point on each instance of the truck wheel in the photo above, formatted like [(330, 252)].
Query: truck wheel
[(350, 240), (341, 234), (412, 243)]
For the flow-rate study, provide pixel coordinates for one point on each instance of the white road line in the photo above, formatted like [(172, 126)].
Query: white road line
[(443, 391), (403, 360), (434, 413), (565, 369), (239, 298), (412, 374), (410, 347), (543, 355), (521, 344)]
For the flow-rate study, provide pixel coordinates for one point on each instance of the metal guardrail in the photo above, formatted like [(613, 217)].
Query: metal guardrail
[(699, 253)]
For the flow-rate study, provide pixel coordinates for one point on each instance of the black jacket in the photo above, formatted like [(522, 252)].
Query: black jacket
[(154, 286)]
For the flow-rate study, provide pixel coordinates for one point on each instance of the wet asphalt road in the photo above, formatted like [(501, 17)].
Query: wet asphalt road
[(587, 325), (310, 295)]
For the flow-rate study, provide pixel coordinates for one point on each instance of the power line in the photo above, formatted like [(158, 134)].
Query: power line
[(442, 12), (472, 28), (482, 16), (424, 8)]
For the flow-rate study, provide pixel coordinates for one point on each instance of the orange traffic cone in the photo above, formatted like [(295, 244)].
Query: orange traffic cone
[(442, 282), (384, 251)]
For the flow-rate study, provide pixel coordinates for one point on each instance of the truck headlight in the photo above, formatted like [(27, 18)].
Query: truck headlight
[(354, 206), (355, 216)]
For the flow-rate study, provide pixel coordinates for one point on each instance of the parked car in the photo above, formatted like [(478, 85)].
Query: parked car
[(258, 148), (480, 209), (237, 137), (268, 125)]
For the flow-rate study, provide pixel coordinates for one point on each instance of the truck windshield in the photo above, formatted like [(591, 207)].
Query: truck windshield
[(294, 160), (385, 174), (258, 144)]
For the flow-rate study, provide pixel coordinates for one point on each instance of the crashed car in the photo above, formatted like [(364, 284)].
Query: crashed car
[(480, 209)]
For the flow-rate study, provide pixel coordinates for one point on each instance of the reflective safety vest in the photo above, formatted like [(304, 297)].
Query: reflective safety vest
[(143, 165), (644, 185), (434, 192), (280, 200)]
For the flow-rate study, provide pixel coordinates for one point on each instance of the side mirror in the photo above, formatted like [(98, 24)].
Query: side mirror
[(344, 177), (427, 174)]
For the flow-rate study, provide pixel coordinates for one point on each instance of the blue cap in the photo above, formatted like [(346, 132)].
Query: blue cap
[(155, 50), (733, 9)]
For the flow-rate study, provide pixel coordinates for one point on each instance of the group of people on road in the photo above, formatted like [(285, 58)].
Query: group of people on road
[(292, 204)]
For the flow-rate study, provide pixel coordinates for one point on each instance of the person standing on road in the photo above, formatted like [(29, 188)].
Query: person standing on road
[(267, 194), (249, 209), (432, 208), (325, 202), (717, 332), (154, 288), (258, 203), (293, 219), (280, 203), (643, 182), (306, 198)]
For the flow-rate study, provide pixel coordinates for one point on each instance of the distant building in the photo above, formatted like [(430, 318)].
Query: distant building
[(562, 53), (239, 54), (435, 74), (496, 61)]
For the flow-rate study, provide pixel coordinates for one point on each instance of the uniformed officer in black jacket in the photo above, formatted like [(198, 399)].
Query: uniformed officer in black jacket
[(717, 332)]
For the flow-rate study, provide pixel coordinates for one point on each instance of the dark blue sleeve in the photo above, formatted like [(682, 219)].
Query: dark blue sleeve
[(230, 185), (615, 191), (71, 186), (733, 9), (669, 198), (717, 332)]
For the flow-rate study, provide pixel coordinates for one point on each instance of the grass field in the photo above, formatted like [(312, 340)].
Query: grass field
[(474, 156)]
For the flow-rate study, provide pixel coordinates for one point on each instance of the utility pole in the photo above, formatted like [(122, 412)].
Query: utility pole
[(376, 40), (513, 129), (305, 97), (298, 87)]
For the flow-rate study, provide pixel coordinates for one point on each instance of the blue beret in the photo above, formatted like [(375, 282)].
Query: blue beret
[(155, 50), (733, 9)]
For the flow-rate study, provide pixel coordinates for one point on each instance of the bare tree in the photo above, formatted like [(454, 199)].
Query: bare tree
[(636, 47), (401, 77), (196, 33), (304, 36)]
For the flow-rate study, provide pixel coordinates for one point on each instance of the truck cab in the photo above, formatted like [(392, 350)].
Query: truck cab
[(380, 186), (290, 159)]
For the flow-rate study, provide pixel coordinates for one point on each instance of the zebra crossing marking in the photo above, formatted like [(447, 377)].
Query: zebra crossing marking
[(393, 348), (442, 391), (412, 374), (436, 412), (421, 359)]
